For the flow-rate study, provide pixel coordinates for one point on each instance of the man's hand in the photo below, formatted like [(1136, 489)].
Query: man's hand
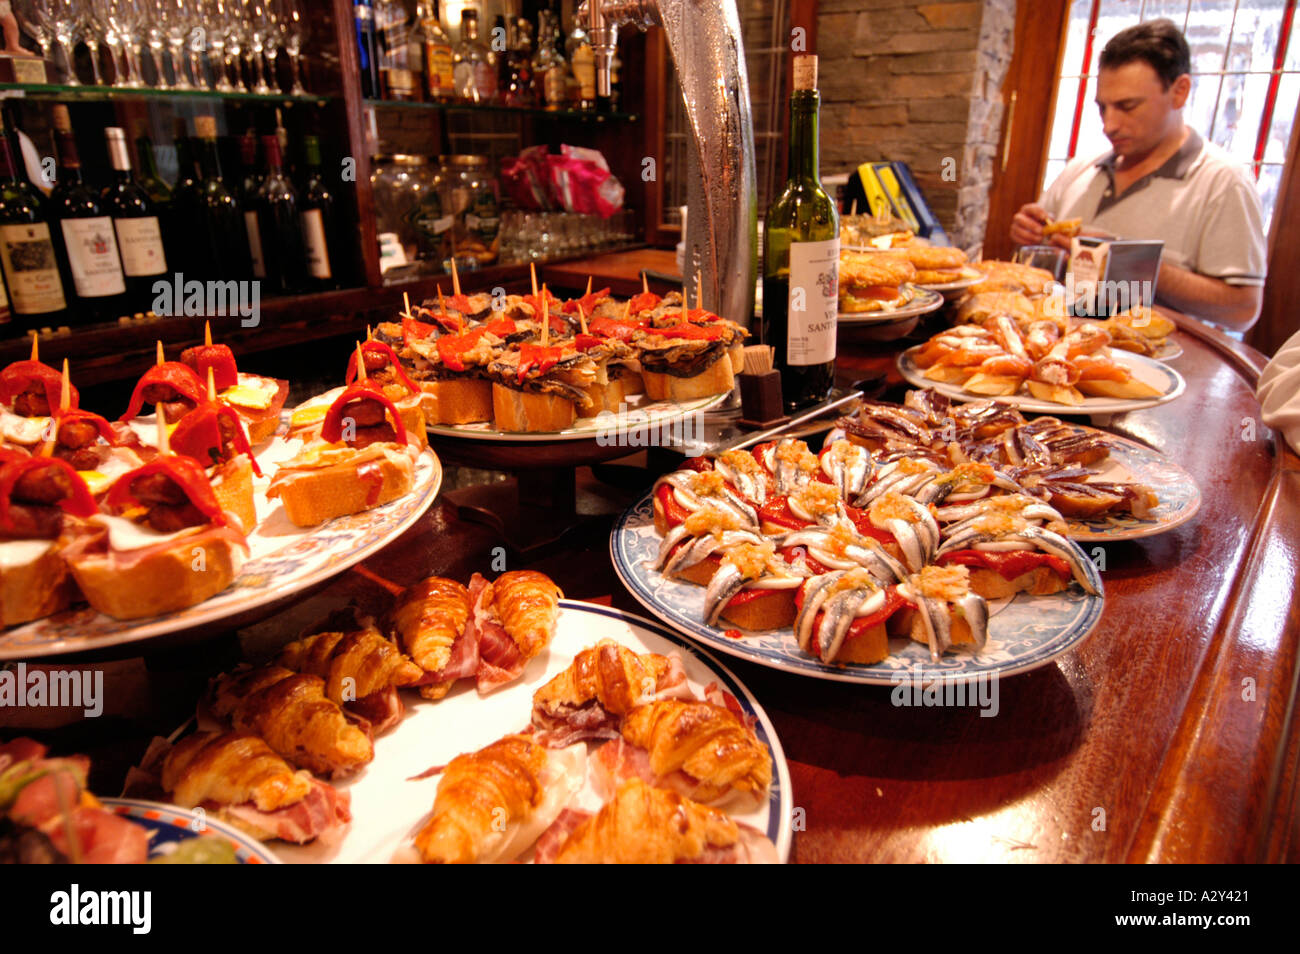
[(1027, 226)]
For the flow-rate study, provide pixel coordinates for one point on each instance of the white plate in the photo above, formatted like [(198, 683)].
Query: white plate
[(642, 414), (1025, 632), (970, 278), (388, 808), (923, 302), (283, 560), (1163, 378)]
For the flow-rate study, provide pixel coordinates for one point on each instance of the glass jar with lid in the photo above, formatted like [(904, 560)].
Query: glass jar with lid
[(412, 226), (471, 197)]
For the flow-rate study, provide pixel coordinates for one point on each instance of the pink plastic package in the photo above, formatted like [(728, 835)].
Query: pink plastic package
[(526, 177), (581, 182)]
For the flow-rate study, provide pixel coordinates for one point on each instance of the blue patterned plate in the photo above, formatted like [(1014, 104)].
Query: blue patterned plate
[(1180, 498), (284, 559), (169, 826), (1024, 633)]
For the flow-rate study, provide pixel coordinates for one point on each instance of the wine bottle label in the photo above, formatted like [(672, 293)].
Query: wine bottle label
[(31, 271), (140, 241), (255, 244), (314, 243), (92, 253), (814, 302)]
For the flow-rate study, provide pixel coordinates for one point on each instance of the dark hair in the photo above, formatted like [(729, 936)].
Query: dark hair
[(1157, 42)]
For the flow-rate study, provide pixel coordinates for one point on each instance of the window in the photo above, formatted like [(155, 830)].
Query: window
[(1245, 79)]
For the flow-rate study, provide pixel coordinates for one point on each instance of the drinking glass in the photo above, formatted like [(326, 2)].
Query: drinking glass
[(255, 18), (295, 31), (1047, 257), (66, 19), (198, 29), (88, 13), (36, 18), (125, 19), (213, 13)]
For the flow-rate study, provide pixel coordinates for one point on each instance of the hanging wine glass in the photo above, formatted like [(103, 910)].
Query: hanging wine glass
[(295, 31), (156, 38), (198, 32), (256, 17), (65, 17), (171, 19), (91, 33), (213, 13), (35, 19)]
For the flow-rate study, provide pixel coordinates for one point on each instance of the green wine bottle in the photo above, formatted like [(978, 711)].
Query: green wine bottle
[(801, 252)]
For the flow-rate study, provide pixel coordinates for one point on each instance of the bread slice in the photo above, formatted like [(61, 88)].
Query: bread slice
[(775, 609), (992, 585), (34, 581), (870, 646), (232, 482), (168, 580), (717, 378), (457, 400), (604, 397), (313, 495), (514, 410)]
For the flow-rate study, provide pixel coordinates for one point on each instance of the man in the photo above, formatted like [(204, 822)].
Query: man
[(1162, 181)]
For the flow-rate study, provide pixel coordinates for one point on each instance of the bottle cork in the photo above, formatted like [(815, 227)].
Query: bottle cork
[(805, 72), (205, 127), (62, 121)]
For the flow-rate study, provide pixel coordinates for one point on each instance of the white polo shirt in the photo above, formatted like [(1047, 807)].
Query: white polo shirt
[(1201, 203)]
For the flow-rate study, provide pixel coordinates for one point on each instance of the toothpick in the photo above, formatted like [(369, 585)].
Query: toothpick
[(455, 279), (160, 352), (36, 338), (370, 335), (442, 307), (546, 319), (532, 274), (627, 309), (164, 439), (65, 392), (361, 364), (853, 209), (582, 318), (207, 333), (406, 306), (686, 315), (588, 287), (645, 284), (212, 385)]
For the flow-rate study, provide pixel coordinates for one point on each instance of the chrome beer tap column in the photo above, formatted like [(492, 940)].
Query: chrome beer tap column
[(705, 43)]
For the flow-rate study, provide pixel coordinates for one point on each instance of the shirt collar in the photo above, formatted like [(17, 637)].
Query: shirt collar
[(1175, 167)]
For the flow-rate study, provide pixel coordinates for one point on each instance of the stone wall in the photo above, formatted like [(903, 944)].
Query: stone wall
[(918, 82)]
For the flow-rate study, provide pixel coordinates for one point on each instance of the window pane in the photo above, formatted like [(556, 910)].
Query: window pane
[(1279, 134), (1063, 117), (1199, 111), (1293, 51), (1054, 168), (1112, 16), (1208, 28), (1270, 178), (1255, 34), (1092, 140), (1175, 10), (1241, 110), (1076, 36)]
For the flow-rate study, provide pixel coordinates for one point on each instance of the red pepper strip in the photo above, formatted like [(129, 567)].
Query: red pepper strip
[(459, 303), (21, 375), (701, 316), (199, 432), (414, 330), (690, 332), (378, 347), (219, 358), (643, 302), (332, 429), (587, 302), (80, 503), (501, 327), (452, 347), (543, 359), (102, 426), (179, 377), (613, 328), (185, 472), (587, 342), (1010, 564)]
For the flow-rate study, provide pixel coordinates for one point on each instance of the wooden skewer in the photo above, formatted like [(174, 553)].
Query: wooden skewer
[(588, 287), (65, 389), (160, 352), (686, 315), (627, 309), (582, 319), (36, 349), (853, 209), (212, 385), (406, 306), (207, 333), (455, 279), (361, 364), (546, 319), (442, 306), (370, 335), (164, 439), (645, 284), (532, 274)]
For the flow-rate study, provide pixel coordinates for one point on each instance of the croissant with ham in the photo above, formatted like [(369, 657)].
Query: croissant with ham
[(430, 622), (698, 749), (239, 779), (513, 620), (291, 713), (493, 804), (605, 682), (642, 825), (362, 671)]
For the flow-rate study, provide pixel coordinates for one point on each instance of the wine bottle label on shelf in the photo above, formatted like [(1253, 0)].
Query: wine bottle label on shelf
[(140, 241), (814, 302), (313, 242), (27, 255), (92, 253), (255, 244)]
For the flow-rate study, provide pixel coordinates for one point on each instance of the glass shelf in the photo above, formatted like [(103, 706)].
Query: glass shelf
[(579, 115), (89, 93)]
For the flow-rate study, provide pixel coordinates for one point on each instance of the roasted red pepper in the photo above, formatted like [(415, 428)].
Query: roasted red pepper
[(643, 302), (690, 332), (332, 428), (185, 472), (414, 330), (379, 348), (104, 428), (535, 356), (587, 302), (1010, 564), (198, 433), (21, 375), (179, 377), (219, 358), (79, 503), (501, 327), (614, 328), (451, 348)]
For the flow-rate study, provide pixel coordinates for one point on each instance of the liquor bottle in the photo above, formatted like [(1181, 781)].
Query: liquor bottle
[(500, 44), (250, 177), (27, 258), (363, 15), (582, 63), (222, 241), (86, 229), (317, 221), (801, 250), (520, 91), (186, 255), (475, 73), (392, 28), (135, 222), (158, 191), (274, 233), (439, 75), (549, 68)]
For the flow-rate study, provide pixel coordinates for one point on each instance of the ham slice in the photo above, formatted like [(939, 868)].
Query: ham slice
[(379, 711), (617, 762), (566, 725), (500, 661), (553, 839), (324, 811), (102, 837)]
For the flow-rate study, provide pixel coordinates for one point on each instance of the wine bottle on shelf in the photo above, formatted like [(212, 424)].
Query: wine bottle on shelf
[(520, 57), (186, 254), (549, 67), (250, 178), (317, 220), (158, 191), (439, 72), (274, 233), (94, 268), (136, 224), (363, 15), (392, 27), (582, 63), (801, 250), (222, 239), (475, 72), (27, 257)]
